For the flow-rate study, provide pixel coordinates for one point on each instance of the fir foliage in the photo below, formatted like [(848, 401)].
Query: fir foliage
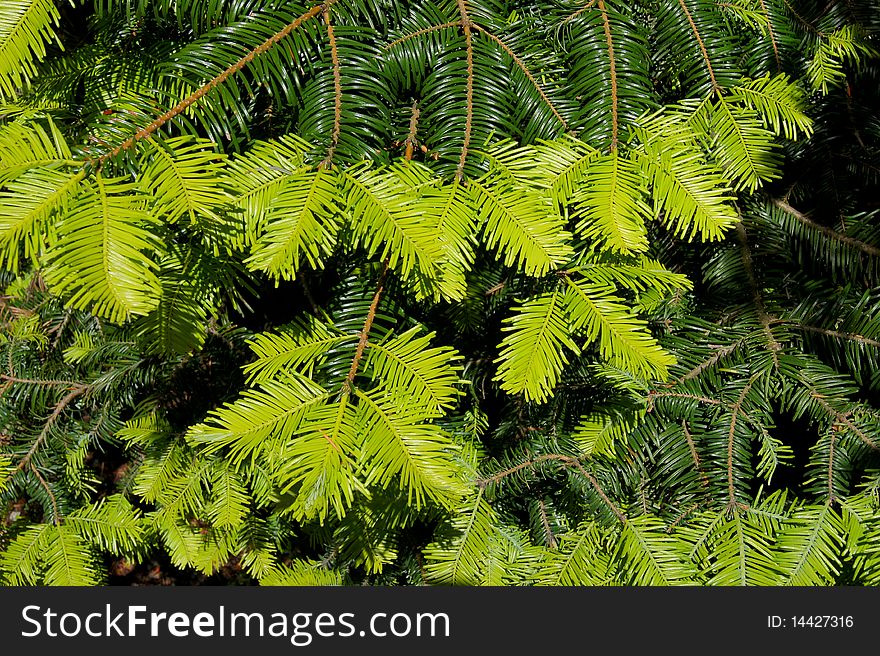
[(460, 292)]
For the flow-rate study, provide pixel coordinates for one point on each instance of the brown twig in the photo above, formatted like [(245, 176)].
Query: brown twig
[(612, 71), (365, 331), (700, 43), (831, 496), (531, 78), (825, 230), (687, 511), (550, 539), (50, 421), (180, 107), (696, 456), (654, 394), (843, 419), (705, 364), (580, 11), (735, 410), (418, 33), (469, 88), (337, 93), (772, 35), (765, 319), (861, 339), (411, 140), (43, 383), (567, 461), (56, 519)]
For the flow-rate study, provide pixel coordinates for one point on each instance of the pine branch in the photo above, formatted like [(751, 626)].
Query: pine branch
[(193, 98), (860, 339), (531, 78), (47, 426), (56, 517), (365, 331), (411, 141), (696, 456), (735, 411), (828, 232), (566, 461), (654, 394), (843, 419), (580, 11), (810, 26), (550, 538), (469, 88), (42, 383), (830, 480), (773, 346), (337, 93), (772, 35), (708, 362), (702, 45), (422, 32), (612, 72)]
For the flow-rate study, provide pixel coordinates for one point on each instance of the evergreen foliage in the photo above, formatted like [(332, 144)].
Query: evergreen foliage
[(460, 292)]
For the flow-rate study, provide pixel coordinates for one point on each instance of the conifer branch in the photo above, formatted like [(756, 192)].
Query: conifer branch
[(708, 362), (860, 339), (746, 254), (469, 88), (831, 444), (498, 476), (702, 45), (43, 383), (47, 426), (521, 65), (612, 72), (566, 461), (604, 496), (421, 32), (365, 331), (580, 11), (411, 140), (843, 419), (549, 537), (193, 98), (772, 35), (654, 394), (337, 93), (681, 516), (825, 230), (803, 21), (735, 410), (693, 449), (56, 518)]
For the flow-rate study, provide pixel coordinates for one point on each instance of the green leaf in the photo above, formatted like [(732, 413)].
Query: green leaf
[(398, 443), (300, 223), (182, 176), (112, 524), (25, 27), (521, 224), (623, 338), (610, 207), (532, 356), (103, 259)]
